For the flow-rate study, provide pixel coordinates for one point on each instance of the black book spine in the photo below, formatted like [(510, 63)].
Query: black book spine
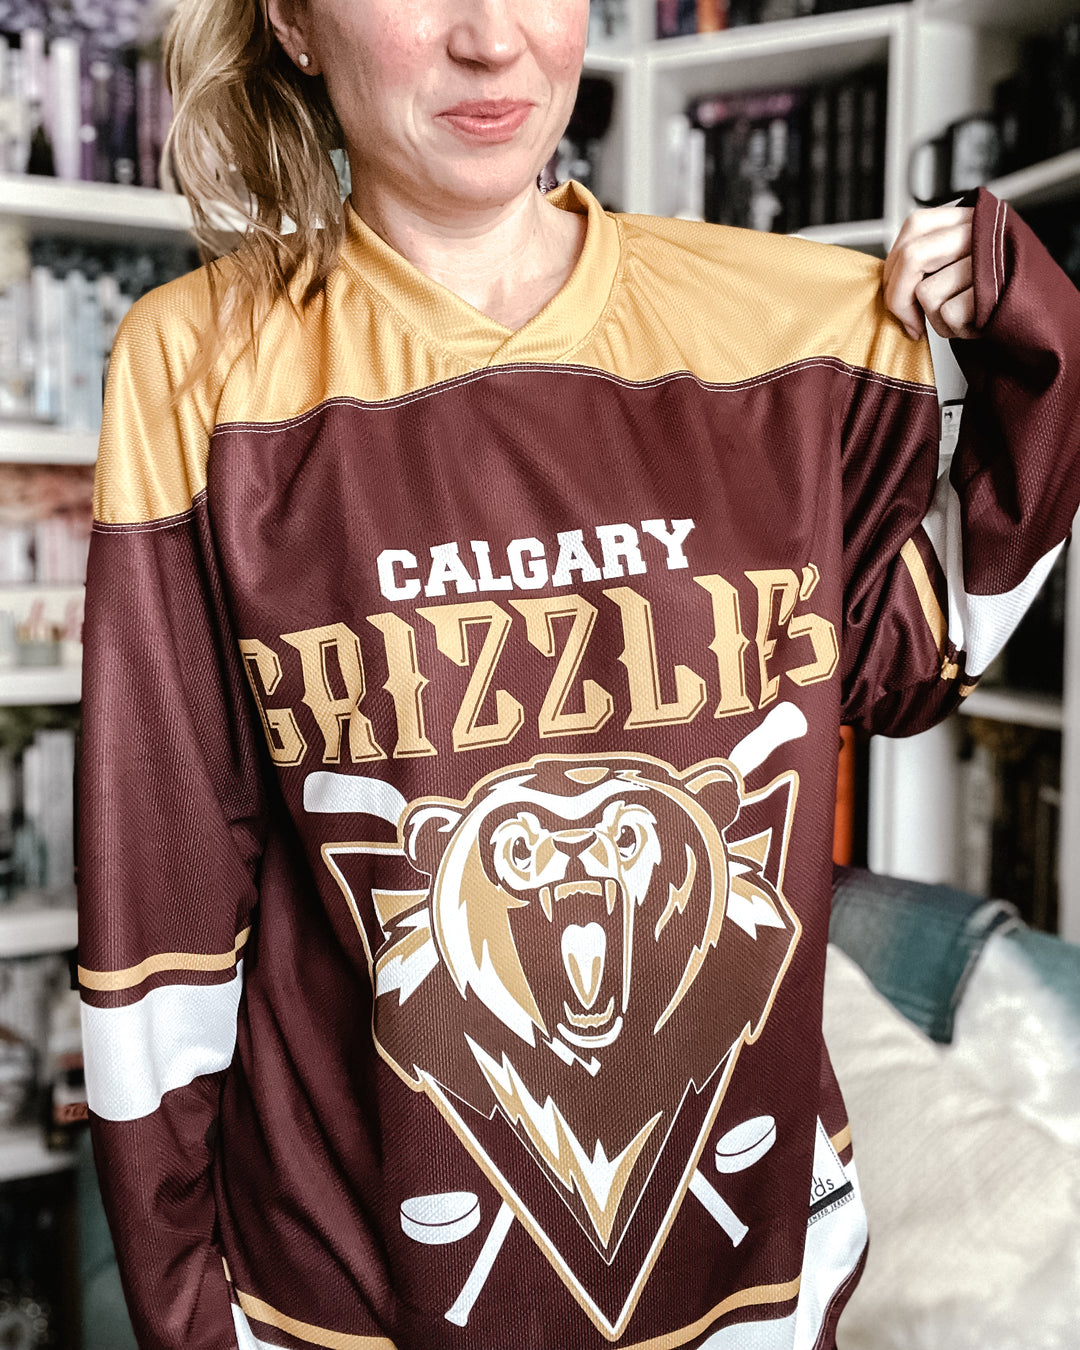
[(713, 169), (818, 157), (846, 134), (123, 139), (742, 12), (870, 196)]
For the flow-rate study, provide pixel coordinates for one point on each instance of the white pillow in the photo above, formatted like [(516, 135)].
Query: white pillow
[(969, 1159)]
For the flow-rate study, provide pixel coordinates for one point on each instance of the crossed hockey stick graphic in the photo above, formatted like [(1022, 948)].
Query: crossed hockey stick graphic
[(439, 1219)]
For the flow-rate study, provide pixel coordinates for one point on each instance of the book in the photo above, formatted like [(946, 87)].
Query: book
[(869, 203), (65, 89), (1009, 816), (783, 159), (711, 16), (843, 852), (667, 18), (818, 157), (123, 133), (845, 130), (687, 19)]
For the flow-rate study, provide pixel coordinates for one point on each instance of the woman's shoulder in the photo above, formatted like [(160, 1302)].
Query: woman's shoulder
[(773, 262), (180, 315), (751, 302)]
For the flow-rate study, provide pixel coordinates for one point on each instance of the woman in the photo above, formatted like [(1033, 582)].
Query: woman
[(479, 584)]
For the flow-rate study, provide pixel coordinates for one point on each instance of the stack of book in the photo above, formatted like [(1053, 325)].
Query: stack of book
[(786, 159), (609, 21), (45, 522), (58, 317), (1009, 816), (681, 18), (37, 813), (1037, 110), (75, 112)]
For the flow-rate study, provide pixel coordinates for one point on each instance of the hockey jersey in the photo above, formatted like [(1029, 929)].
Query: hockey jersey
[(461, 724)]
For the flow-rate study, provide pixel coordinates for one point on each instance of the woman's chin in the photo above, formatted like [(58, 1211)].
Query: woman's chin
[(487, 185)]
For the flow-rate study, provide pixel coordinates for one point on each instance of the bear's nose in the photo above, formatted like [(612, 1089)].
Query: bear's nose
[(573, 842), (583, 952)]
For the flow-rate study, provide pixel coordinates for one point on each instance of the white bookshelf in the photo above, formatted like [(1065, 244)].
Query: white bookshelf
[(23, 1154), (24, 686), (1043, 711), (27, 443), (1049, 181), (35, 923), (100, 210), (943, 58)]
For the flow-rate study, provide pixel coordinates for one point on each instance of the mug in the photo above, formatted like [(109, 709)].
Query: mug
[(964, 156)]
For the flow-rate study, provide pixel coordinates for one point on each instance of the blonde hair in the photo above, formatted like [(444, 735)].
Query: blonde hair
[(250, 147)]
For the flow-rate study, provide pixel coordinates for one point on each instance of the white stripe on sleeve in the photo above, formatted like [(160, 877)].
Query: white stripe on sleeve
[(172, 1035), (245, 1337), (979, 625)]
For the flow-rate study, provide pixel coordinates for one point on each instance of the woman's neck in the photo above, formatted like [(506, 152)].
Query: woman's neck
[(507, 264)]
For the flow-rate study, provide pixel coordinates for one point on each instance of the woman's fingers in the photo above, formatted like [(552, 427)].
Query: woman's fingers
[(931, 242), (947, 298)]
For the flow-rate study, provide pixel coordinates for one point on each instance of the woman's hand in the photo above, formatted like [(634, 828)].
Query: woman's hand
[(928, 273)]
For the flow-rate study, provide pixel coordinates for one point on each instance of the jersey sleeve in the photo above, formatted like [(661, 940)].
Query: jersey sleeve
[(940, 570), (170, 836)]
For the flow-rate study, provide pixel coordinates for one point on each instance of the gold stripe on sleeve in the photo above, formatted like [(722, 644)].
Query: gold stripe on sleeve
[(842, 1140), (305, 1331), (111, 980), (924, 589)]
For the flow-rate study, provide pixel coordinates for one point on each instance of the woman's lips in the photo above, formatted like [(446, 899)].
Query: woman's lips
[(490, 120)]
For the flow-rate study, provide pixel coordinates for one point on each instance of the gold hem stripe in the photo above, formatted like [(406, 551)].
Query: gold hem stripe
[(305, 1331), (111, 980), (340, 1340), (924, 589), (745, 1298), (842, 1140)]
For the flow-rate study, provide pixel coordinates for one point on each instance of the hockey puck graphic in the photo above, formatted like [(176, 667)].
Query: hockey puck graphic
[(746, 1144), (438, 1219)]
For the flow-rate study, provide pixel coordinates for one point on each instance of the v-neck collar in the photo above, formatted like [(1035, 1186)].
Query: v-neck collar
[(447, 321)]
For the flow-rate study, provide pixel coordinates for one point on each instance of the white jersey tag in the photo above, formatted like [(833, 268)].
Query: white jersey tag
[(830, 1188)]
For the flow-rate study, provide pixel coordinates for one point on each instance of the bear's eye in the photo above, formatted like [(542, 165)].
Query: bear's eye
[(627, 840), (520, 852)]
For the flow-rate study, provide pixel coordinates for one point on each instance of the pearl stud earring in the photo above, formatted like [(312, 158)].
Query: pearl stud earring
[(304, 60)]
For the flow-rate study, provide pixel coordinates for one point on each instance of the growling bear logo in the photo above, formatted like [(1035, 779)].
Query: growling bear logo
[(590, 944)]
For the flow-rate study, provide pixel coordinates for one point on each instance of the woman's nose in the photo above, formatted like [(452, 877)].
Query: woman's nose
[(488, 33)]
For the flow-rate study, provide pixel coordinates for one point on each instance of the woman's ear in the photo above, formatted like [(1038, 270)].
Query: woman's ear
[(287, 19)]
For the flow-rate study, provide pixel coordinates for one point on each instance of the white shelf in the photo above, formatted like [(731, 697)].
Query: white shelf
[(862, 234), (787, 36), (795, 51), (23, 1154), (28, 685), (616, 59), (1011, 705), (1011, 14), (29, 926), (101, 210), (1048, 181), (23, 443)]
